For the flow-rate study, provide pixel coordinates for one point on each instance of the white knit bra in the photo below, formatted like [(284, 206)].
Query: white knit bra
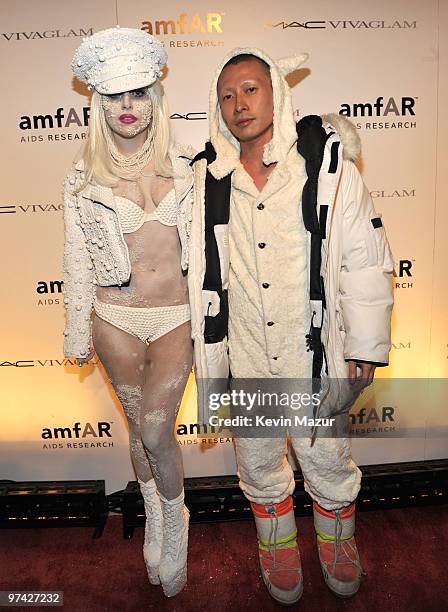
[(132, 216)]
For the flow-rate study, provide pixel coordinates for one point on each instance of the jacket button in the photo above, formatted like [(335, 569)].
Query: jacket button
[(265, 285), (261, 245), (270, 323), (260, 206)]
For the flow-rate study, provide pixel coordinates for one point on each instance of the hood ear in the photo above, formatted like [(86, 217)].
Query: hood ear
[(287, 65)]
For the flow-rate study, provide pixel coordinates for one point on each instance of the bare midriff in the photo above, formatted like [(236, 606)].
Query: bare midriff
[(154, 252)]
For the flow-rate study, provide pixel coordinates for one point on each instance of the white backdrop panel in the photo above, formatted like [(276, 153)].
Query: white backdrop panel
[(383, 56)]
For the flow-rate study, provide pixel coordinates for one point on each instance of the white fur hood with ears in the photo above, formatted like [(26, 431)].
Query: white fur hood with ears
[(356, 262), (284, 128)]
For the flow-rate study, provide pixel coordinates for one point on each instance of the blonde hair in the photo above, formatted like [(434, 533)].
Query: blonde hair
[(98, 165)]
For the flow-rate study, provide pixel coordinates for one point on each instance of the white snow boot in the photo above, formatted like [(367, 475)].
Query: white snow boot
[(152, 545), (173, 561)]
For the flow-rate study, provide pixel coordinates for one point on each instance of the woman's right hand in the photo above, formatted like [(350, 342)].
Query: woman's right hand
[(80, 361)]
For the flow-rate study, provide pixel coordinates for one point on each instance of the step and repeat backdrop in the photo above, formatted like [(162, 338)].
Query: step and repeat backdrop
[(382, 64)]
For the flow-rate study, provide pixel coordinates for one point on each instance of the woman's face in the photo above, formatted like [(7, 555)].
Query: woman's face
[(129, 113)]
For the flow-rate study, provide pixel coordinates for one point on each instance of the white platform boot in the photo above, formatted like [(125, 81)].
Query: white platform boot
[(152, 545), (173, 562)]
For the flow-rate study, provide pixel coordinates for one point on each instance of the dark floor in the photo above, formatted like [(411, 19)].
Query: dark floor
[(404, 552)]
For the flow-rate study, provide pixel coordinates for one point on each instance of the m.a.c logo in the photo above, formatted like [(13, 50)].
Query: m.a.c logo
[(345, 24), (20, 363), (190, 116)]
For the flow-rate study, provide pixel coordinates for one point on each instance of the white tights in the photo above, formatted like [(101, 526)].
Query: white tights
[(149, 382)]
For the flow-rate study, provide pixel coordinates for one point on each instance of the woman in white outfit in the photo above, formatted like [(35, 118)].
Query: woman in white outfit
[(127, 211)]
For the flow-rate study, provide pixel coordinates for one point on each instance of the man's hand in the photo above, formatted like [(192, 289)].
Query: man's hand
[(367, 373)]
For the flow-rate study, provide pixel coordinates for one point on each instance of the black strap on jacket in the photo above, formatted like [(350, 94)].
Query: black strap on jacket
[(311, 145), (217, 212)]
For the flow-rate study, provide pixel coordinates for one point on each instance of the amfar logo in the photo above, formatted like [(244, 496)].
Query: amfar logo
[(197, 429), (364, 417), (372, 421), (211, 22), (45, 34), (60, 119), (190, 116), (101, 429), (380, 108), (403, 270), (393, 193), (374, 24), (53, 286)]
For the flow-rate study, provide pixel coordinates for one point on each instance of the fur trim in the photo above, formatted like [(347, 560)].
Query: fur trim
[(348, 134)]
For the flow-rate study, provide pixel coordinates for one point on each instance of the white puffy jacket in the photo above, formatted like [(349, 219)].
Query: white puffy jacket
[(357, 263)]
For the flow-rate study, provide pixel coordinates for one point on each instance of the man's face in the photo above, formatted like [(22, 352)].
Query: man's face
[(246, 101)]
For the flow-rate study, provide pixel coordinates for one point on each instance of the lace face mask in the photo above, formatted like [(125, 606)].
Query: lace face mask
[(129, 113)]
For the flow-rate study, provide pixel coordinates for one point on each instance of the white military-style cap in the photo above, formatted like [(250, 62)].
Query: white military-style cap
[(119, 59)]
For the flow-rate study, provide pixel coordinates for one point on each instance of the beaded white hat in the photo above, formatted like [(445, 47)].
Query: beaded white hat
[(119, 59)]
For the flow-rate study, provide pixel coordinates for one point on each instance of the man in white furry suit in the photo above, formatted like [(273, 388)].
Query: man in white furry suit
[(287, 255)]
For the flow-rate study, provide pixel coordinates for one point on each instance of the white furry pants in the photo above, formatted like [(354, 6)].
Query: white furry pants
[(331, 476)]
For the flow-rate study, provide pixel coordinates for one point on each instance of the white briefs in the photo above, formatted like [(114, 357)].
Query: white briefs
[(147, 324)]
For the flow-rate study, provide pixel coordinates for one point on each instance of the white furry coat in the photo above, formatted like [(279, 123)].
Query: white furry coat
[(356, 259)]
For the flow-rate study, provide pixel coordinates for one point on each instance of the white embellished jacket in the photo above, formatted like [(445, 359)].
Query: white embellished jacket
[(95, 252)]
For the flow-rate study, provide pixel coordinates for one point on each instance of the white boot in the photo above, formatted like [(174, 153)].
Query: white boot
[(152, 545), (173, 562)]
